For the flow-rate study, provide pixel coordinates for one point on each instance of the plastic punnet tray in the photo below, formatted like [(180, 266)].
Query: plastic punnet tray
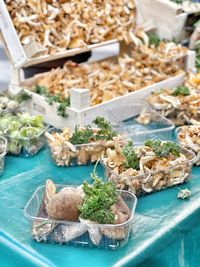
[(124, 121), (77, 233), (150, 182), (28, 146)]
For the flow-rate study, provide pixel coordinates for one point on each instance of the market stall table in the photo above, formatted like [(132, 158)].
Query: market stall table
[(160, 219)]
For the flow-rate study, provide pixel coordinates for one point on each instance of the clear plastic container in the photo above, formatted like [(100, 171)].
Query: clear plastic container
[(123, 119), (83, 154), (108, 236), (153, 181), (3, 150), (194, 147), (26, 147)]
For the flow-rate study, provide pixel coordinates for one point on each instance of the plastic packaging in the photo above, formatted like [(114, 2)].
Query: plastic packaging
[(154, 181), (83, 154), (188, 132), (124, 121), (3, 149), (26, 147), (77, 233)]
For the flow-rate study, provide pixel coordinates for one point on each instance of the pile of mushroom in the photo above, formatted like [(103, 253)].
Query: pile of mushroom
[(153, 173), (181, 109), (189, 137), (192, 80), (110, 78), (165, 51), (60, 25)]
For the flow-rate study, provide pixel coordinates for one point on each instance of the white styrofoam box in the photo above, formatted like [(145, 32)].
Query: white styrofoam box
[(24, 56), (168, 17), (79, 113)]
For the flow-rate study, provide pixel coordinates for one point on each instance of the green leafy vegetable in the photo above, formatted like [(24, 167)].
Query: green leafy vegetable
[(177, 1), (105, 132), (181, 90), (163, 149), (131, 158), (62, 102), (197, 50), (154, 39), (22, 96), (99, 197), (82, 136), (17, 128)]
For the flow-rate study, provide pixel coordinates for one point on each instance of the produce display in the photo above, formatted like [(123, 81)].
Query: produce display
[(92, 214), (133, 146), (189, 137), (154, 166), (181, 105), (25, 133), (61, 25), (83, 146), (3, 150), (111, 78)]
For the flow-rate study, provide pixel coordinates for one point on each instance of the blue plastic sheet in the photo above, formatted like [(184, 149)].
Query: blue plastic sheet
[(164, 225)]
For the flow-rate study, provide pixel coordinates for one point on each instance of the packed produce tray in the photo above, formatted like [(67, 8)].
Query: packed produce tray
[(35, 38), (80, 112), (74, 233), (148, 172)]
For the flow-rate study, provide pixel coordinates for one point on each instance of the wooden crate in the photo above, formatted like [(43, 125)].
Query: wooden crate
[(80, 112)]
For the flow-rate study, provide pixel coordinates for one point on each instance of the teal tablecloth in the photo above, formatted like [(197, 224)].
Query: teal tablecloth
[(165, 231)]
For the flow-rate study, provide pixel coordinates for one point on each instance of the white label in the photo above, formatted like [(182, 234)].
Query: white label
[(10, 36)]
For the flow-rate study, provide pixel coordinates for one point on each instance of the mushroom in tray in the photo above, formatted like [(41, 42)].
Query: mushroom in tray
[(73, 211), (181, 105), (82, 146), (151, 167), (189, 137)]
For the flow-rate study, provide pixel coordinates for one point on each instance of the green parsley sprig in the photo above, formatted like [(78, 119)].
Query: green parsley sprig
[(181, 90), (62, 102), (131, 159), (163, 149), (99, 197), (84, 136), (105, 129)]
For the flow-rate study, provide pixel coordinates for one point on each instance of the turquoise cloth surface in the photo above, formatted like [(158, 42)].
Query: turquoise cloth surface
[(165, 231)]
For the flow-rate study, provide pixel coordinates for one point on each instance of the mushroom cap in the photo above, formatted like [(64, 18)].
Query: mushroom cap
[(65, 205)]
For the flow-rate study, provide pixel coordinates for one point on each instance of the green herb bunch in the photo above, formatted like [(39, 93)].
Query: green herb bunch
[(131, 159), (87, 135), (154, 39), (99, 197), (62, 102), (163, 149), (181, 90), (105, 129), (82, 136), (197, 50)]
